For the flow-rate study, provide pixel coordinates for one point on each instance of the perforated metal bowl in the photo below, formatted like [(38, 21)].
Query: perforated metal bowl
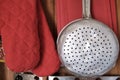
[(86, 46), (88, 49)]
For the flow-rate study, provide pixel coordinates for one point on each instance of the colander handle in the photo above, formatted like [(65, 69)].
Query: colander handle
[(86, 9)]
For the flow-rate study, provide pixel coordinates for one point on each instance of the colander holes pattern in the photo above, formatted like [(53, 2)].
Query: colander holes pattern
[(89, 49)]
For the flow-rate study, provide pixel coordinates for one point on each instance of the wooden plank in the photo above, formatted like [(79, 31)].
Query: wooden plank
[(2, 71), (5, 73), (9, 75)]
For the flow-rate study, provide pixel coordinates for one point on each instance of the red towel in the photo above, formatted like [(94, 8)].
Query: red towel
[(49, 62), (102, 10), (19, 31)]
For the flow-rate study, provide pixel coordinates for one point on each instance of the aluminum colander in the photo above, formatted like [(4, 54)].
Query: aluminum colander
[(87, 47)]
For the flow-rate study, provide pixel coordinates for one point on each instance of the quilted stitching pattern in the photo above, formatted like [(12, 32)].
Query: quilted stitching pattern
[(18, 25), (49, 63)]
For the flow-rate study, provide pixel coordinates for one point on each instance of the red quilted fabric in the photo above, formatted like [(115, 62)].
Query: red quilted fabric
[(19, 31), (49, 62)]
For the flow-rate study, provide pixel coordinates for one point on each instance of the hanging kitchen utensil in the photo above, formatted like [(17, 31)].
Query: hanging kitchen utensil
[(86, 46)]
